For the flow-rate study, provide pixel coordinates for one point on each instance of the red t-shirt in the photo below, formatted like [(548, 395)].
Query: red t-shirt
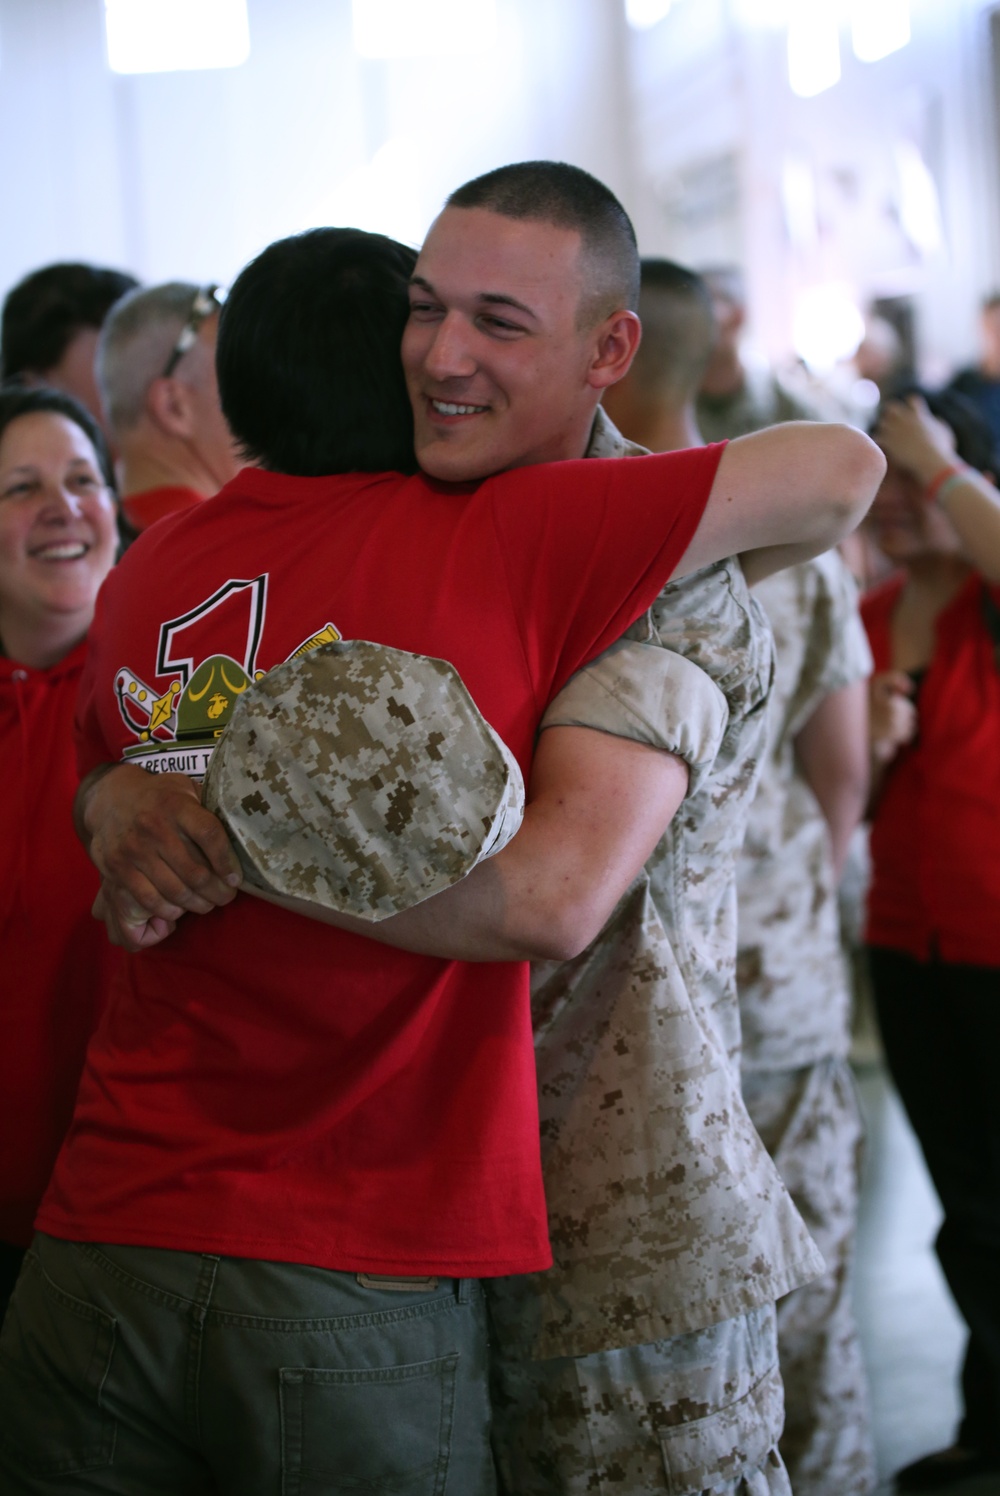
[(936, 831), (55, 958), (144, 509), (266, 1086)]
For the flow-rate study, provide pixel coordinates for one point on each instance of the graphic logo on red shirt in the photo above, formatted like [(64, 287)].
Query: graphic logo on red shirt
[(210, 653)]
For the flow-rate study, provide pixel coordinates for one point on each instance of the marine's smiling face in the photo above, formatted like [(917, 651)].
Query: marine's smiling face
[(495, 361)]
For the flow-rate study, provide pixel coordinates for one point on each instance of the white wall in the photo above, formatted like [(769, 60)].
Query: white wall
[(691, 122), (188, 174), (709, 89)]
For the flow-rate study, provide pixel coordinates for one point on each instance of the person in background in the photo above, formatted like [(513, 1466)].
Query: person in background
[(49, 327), (933, 926), (156, 372), (795, 1000), (57, 544), (733, 398), (981, 382)]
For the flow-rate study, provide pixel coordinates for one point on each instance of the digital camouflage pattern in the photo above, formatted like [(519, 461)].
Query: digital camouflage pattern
[(362, 778), (793, 984), (795, 1003), (699, 1413), (810, 1123), (665, 1213)]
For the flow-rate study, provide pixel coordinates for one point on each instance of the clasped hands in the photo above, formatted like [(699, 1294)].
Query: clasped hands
[(160, 853)]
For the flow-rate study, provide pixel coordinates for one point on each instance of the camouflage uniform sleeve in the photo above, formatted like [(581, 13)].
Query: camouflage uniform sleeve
[(841, 634), (649, 695)]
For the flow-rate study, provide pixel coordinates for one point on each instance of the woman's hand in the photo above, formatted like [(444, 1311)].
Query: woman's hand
[(915, 440), (893, 715)]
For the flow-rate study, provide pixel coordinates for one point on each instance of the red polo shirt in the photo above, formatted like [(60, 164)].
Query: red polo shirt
[(144, 509), (936, 830)]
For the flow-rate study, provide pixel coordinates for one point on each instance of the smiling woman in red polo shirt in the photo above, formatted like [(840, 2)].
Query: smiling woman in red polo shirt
[(934, 905), (57, 544)]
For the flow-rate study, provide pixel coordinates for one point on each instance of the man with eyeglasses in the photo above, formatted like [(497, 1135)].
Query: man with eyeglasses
[(156, 372)]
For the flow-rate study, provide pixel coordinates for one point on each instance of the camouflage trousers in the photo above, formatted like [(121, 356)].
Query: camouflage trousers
[(697, 1413), (809, 1121)]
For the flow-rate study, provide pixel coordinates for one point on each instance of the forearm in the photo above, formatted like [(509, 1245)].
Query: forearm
[(972, 504), (843, 810), (513, 907), (785, 494), (832, 750), (833, 498), (597, 806)]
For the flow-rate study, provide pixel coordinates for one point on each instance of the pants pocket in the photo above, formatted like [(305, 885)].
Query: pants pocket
[(717, 1452), (55, 1355), (383, 1429)]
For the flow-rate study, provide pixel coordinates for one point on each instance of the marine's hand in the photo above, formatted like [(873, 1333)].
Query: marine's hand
[(893, 717), (159, 852)]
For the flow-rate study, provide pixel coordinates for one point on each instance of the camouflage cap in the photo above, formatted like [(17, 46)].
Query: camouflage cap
[(363, 779)]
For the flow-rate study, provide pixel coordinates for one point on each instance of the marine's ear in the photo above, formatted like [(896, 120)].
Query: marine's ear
[(616, 343)]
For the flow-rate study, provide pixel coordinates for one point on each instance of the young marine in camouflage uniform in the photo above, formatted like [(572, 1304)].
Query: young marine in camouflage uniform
[(795, 1002), (645, 1359)]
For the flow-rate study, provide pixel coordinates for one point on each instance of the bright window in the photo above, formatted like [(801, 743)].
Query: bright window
[(813, 48), (879, 27), (167, 36), (423, 28), (644, 13)]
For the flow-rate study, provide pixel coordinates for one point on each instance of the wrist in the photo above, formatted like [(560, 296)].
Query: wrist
[(941, 479)]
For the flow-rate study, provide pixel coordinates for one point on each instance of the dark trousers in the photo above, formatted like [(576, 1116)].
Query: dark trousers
[(135, 1371), (10, 1265), (941, 1026)]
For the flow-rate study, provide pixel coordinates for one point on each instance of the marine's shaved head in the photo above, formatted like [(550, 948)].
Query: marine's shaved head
[(555, 192)]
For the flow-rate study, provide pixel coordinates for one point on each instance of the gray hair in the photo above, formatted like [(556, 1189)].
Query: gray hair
[(135, 345)]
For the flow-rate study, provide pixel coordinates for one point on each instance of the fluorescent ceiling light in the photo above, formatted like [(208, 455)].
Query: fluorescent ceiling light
[(827, 325), (645, 13), (423, 28), (879, 27), (166, 36), (919, 207), (766, 14), (813, 48)]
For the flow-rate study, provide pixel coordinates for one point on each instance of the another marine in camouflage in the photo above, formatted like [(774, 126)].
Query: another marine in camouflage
[(666, 1215), (700, 1412), (762, 401), (794, 989), (794, 998), (809, 1121), (362, 778)]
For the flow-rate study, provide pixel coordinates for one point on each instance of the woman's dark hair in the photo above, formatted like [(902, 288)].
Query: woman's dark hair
[(18, 399), (46, 310), (308, 361), (974, 442)]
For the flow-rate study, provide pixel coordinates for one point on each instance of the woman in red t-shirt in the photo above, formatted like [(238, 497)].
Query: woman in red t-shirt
[(57, 544), (934, 904)]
